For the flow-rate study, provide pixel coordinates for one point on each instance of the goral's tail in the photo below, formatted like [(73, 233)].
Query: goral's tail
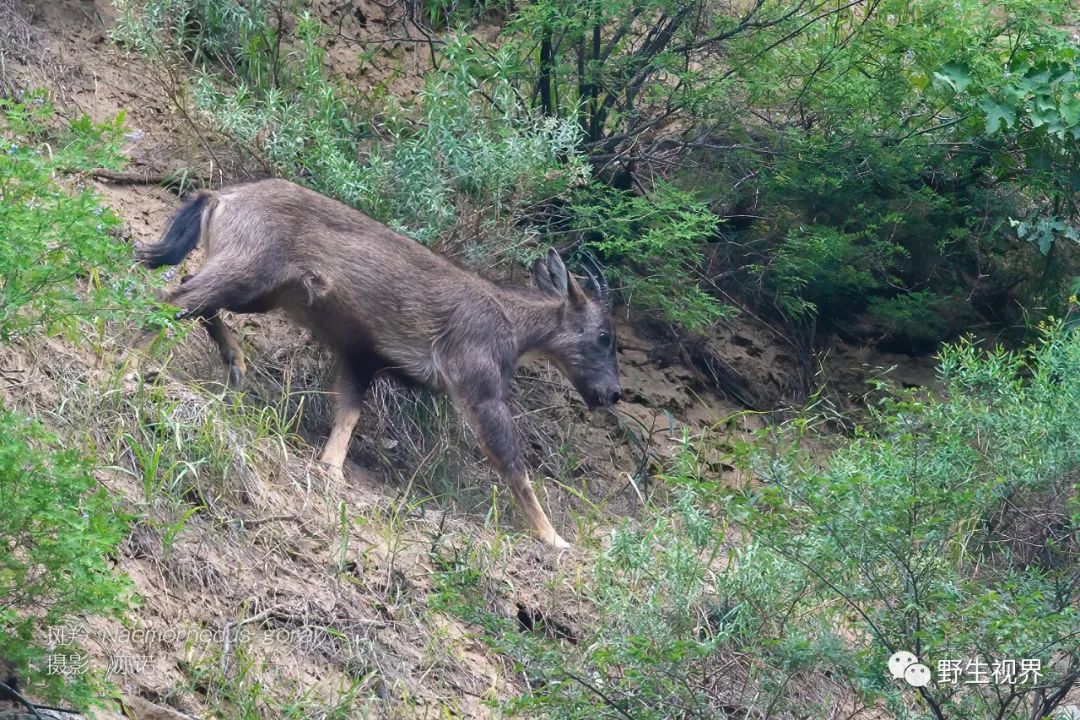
[(183, 233)]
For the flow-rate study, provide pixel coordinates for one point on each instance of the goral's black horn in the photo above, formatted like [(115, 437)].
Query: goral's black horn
[(596, 275)]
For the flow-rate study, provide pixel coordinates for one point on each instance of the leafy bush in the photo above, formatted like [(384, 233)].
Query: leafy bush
[(460, 161), (58, 528), (657, 238), (51, 237), (459, 156), (906, 135), (912, 320), (945, 130), (820, 269), (61, 269), (235, 37), (948, 527)]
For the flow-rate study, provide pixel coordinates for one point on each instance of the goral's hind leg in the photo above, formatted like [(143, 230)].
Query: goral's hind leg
[(216, 287), (231, 354)]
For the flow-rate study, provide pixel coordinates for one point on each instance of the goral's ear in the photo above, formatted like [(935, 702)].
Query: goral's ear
[(559, 277), (564, 282), (542, 277), (550, 276)]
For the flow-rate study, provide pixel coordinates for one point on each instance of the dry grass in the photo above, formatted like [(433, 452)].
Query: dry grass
[(239, 535), (18, 41), (267, 590)]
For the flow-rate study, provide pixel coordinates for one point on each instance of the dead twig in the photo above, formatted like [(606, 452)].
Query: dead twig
[(262, 521), (179, 178)]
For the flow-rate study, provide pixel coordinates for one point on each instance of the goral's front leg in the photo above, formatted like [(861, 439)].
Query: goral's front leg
[(494, 424)]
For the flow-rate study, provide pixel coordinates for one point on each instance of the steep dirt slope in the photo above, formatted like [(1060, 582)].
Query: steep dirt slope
[(279, 579)]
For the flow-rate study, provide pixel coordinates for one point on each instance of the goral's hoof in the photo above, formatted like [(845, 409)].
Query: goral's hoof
[(555, 541), (236, 377), (334, 474)]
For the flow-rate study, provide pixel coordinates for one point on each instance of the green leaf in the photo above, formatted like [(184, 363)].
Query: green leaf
[(954, 75), (1041, 117), (1045, 102), (1070, 111), (1045, 240), (996, 115), (1039, 78)]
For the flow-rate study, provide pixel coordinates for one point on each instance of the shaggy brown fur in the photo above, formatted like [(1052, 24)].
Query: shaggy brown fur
[(383, 302)]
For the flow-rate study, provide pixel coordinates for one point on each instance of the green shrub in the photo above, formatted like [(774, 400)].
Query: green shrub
[(948, 527), (655, 243), (820, 269), (915, 320), (58, 530), (945, 130), (61, 270), (60, 262), (460, 162), (465, 158), (237, 38)]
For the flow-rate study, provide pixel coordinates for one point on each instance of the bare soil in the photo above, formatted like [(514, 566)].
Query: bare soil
[(271, 567)]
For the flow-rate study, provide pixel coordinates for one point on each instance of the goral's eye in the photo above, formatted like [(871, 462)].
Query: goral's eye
[(605, 340)]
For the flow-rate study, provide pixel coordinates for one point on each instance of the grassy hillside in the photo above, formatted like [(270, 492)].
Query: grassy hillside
[(795, 202)]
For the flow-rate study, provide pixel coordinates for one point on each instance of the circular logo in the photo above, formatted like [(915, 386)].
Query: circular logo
[(900, 661), (917, 675)]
